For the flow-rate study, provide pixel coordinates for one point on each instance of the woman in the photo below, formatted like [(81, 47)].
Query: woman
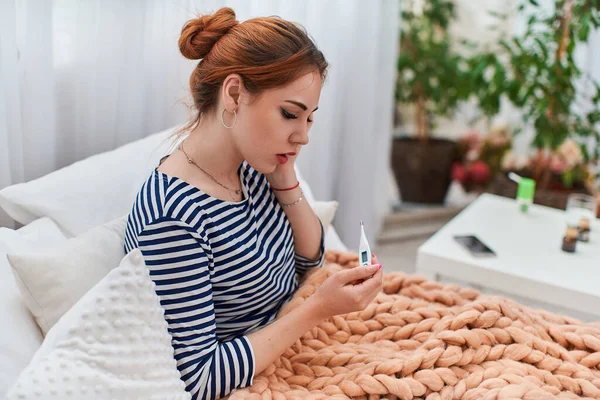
[(222, 222)]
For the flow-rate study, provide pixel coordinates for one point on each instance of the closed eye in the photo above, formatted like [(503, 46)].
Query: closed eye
[(289, 115)]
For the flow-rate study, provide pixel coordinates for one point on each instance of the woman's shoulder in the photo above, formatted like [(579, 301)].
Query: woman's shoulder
[(159, 200)]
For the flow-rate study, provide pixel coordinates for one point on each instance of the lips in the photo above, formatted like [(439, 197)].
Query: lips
[(283, 157)]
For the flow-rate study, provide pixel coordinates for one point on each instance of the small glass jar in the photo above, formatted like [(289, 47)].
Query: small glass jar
[(584, 230), (570, 239)]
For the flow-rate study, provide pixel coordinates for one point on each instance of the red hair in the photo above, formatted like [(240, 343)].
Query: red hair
[(266, 52)]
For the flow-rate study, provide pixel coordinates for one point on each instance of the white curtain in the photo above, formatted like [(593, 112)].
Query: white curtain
[(82, 77)]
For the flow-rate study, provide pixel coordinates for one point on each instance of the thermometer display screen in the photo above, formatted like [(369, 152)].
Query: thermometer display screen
[(364, 257)]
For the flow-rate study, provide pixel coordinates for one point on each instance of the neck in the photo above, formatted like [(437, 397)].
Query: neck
[(212, 146)]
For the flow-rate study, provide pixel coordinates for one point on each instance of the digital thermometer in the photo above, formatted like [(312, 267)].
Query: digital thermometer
[(364, 251)]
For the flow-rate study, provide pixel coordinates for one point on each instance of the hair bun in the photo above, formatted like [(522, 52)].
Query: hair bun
[(199, 35)]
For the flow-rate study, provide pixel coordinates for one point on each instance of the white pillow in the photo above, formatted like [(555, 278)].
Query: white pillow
[(20, 336), (89, 192), (113, 344), (332, 240), (52, 282), (325, 210)]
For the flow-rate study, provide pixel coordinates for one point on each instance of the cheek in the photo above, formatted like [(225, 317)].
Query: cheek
[(269, 129)]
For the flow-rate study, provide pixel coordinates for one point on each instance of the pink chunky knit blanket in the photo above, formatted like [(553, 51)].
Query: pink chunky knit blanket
[(425, 340)]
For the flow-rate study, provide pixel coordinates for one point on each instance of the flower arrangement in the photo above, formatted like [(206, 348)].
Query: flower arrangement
[(566, 167), (558, 173), (480, 157)]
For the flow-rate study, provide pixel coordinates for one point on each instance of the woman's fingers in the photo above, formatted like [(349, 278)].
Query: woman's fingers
[(371, 286), (359, 280), (374, 259), (358, 273)]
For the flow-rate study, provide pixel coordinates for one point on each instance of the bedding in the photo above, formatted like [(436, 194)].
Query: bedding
[(89, 192), (423, 339), (52, 281), (417, 339), (113, 344), (20, 336), (67, 204)]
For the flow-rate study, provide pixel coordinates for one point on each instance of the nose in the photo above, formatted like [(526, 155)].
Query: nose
[(301, 136), (302, 140)]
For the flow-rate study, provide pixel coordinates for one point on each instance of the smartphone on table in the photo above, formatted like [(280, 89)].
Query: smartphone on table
[(474, 246)]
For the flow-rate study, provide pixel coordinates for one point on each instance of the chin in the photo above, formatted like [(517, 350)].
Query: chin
[(264, 168)]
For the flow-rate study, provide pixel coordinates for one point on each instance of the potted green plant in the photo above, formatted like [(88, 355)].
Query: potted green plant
[(537, 72), (432, 77)]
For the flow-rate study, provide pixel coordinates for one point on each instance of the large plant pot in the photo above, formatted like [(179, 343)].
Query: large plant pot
[(502, 186), (422, 168)]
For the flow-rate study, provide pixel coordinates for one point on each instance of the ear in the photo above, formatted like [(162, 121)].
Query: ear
[(233, 90)]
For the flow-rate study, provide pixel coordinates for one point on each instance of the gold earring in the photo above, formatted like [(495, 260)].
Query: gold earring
[(234, 119)]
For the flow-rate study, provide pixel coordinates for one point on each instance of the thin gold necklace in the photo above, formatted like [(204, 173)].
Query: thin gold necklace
[(190, 161)]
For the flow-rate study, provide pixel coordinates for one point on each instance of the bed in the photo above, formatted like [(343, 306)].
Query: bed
[(62, 205), (98, 331)]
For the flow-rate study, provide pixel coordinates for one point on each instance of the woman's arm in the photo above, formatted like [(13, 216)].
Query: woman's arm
[(271, 341), (306, 226), (179, 268)]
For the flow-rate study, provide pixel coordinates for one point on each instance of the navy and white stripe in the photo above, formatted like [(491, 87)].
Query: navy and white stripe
[(222, 270)]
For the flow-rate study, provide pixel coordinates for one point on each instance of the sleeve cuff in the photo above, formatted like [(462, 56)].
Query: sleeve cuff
[(251, 359)]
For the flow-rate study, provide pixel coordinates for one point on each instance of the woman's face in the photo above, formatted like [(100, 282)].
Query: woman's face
[(276, 122)]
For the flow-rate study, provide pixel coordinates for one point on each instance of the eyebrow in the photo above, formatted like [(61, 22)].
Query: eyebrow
[(301, 105)]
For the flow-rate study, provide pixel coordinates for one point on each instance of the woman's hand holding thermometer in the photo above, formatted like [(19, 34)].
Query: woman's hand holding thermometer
[(351, 289)]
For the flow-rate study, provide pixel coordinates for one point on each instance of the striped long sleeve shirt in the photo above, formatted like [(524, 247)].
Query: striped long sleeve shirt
[(222, 270)]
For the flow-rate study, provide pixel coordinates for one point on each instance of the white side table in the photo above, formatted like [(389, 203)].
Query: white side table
[(530, 265)]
